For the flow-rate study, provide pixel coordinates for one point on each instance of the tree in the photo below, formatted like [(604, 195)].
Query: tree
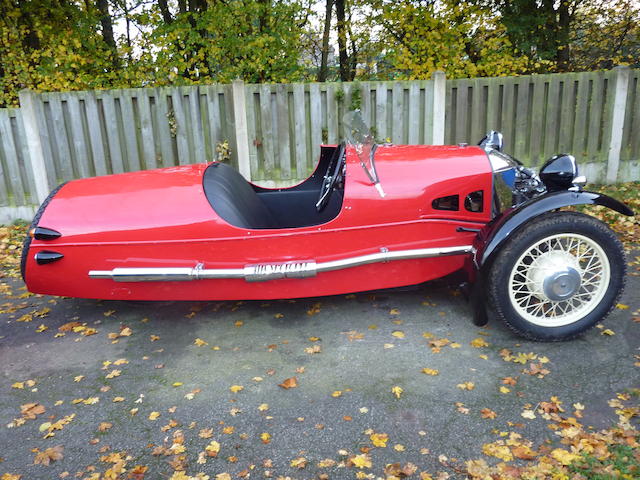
[(322, 73), (459, 38)]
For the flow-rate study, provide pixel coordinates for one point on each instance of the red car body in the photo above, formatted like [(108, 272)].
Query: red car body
[(162, 219)]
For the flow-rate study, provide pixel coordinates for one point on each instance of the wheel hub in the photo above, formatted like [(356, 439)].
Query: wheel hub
[(561, 285), (555, 275)]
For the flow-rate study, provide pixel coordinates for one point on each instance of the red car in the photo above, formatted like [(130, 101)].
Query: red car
[(370, 217)]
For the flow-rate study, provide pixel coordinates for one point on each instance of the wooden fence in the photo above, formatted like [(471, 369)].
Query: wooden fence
[(541, 115), (274, 131)]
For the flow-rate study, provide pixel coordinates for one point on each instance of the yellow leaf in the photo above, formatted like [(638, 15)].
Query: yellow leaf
[(394, 311), (398, 447), (397, 391), (379, 439), (154, 415), (212, 449), (336, 394), (176, 384), (563, 456), (398, 334), (299, 462), (199, 342), (504, 389), (496, 450), (236, 388), (361, 461), (622, 306), (263, 407), (430, 371), (18, 385), (479, 343), (265, 437), (466, 386), (118, 399), (607, 332)]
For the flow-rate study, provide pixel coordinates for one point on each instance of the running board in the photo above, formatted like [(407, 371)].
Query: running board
[(270, 271)]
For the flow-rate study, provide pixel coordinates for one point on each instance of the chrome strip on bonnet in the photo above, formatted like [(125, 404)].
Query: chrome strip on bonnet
[(267, 271)]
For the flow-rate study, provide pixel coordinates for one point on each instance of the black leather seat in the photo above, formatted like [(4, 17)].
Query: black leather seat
[(232, 197)]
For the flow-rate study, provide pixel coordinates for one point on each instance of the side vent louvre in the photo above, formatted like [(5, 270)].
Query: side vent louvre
[(450, 202)]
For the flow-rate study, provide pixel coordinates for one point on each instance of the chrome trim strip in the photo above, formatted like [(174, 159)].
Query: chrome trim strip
[(271, 271)]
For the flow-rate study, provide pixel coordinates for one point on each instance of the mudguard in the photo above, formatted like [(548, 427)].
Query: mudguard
[(491, 238)]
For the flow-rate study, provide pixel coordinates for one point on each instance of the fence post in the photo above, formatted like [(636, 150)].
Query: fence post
[(34, 143), (240, 122), (617, 122), (439, 104)]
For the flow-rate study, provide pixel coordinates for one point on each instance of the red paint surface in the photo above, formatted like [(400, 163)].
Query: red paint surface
[(161, 218)]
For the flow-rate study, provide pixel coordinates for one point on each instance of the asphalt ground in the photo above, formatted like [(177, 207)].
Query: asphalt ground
[(186, 362)]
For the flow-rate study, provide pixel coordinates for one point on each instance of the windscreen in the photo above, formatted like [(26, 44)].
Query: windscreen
[(360, 137)]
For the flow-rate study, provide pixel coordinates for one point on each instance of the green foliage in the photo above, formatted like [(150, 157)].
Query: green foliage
[(67, 45), (460, 38), (622, 461), (252, 40)]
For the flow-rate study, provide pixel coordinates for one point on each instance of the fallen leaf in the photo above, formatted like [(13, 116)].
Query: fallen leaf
[(379, 439), (479, 343), (488, 413), (299, 462), (397, 391), (289, 383), (31, 410), (361, 461), (430, 371), (466, 386), (49, 455), (236, 388)]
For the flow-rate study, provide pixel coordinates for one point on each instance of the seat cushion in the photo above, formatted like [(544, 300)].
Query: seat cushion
[(233, 198)]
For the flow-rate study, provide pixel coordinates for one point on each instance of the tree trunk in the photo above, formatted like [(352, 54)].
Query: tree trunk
[(342, 41), (562, 37), (324, 59), (165, 12), (106, 23)]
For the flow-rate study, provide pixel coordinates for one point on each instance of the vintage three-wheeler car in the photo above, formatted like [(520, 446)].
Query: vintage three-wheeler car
[(370, 217)]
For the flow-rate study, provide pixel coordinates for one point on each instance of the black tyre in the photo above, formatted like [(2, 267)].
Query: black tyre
[(557, 277)]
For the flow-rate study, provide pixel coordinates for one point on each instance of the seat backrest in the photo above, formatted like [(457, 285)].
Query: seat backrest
[(232, 197)]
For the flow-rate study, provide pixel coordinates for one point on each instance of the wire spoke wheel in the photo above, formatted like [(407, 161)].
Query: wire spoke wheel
[(557, 276), (559, 280)]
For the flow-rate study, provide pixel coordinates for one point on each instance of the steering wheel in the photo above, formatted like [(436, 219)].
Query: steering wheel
[(330, 177)]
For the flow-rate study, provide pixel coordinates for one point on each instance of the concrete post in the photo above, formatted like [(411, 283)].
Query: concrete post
[(439, 102), (620, 89), (28, 107), (242, 135)]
